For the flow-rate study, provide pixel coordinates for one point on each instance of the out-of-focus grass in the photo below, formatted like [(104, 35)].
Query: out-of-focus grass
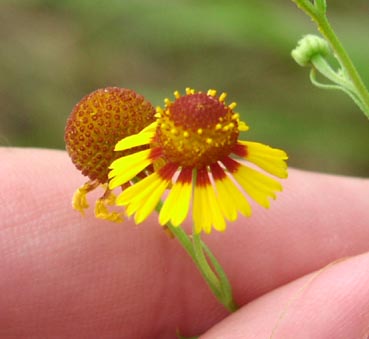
[(54, 52)]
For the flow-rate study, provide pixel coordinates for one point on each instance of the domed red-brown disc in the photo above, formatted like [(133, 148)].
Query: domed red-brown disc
[(98, 122)]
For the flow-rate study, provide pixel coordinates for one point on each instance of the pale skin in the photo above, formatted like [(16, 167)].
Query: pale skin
[(63, 275)]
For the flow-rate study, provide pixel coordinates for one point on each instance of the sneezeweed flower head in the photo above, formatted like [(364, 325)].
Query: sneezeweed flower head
[(93, 128), (195, 150)]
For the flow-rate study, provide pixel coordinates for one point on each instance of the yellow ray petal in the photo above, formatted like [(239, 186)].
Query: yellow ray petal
[(257, 147), (133, 141), (231, 199), (79, 200), (142, 195), (139, 189), (217, 219), (124, 162), (200, 214), (257, 185), (269, 159), (127, 167), (206, 211), (148, 206), (102, 211), (226, 201), (176, 206), (183, 205), (275, 167), (168, 209), (150, 128)]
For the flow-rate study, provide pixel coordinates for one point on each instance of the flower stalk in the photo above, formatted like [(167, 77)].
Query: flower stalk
[(200, 254), (225, 285), (317, 11)]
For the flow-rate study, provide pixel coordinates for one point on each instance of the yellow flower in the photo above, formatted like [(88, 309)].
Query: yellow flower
[(93, 128), (196, 154)]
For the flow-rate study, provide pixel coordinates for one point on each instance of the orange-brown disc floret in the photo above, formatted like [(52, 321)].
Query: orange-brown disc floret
[(98, 122), (209, 124)]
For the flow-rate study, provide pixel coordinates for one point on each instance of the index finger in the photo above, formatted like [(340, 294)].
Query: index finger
[(109, 280)]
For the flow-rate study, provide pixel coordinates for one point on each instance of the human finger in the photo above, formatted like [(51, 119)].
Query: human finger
[(330, 303)]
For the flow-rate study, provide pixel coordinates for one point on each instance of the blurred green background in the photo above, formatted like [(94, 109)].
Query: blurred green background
[(55, 52)]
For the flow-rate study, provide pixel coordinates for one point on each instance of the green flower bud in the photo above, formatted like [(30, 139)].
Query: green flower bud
[(309, 47)]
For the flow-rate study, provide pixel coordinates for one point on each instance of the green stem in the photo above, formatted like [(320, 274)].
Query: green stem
[(321, 5), (320, 63), (199, 261), (229, 303), (306, 6), (181, 235), (207, 272), (317, 13), (350, 93), (184, 240), (223, 290), (217, 282), (194, 249), (345, 61)]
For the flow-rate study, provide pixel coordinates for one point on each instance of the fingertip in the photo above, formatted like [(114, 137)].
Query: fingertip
[(318, 218), (331, 303)]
